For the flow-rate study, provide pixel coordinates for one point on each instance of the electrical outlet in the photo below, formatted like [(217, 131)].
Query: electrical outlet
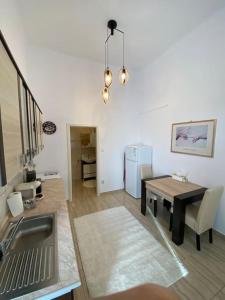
[(103, 181)]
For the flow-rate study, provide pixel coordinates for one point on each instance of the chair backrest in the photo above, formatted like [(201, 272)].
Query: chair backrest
[(208, 208), (146, 171)]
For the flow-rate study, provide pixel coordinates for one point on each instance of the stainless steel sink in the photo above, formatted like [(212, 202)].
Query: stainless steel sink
[(31, 260)]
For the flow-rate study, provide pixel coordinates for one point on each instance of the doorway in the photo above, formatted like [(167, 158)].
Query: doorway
[(83, 162)]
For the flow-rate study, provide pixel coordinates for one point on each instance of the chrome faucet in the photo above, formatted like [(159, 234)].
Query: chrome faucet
[(5, 243)]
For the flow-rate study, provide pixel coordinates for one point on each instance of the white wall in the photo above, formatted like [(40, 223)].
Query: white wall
[(188, 83), (12, 29), (69, 91)]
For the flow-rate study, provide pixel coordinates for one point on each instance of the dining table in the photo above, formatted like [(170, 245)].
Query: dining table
[(179, 194)]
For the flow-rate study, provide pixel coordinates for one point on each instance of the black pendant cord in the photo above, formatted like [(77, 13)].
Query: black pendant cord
[(107, 50), (123, 50), (108, 36), (122, 32), (105, 57)]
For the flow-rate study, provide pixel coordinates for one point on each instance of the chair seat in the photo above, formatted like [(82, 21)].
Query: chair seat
[(191, 216)]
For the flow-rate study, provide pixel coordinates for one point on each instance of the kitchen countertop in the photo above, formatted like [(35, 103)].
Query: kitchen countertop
[(54, 201)]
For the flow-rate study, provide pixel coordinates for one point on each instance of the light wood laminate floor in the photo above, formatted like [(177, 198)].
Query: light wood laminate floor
[(206, 269)]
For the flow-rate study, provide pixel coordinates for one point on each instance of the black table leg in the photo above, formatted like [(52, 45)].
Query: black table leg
[(178, 221), (155, 208), (143, 191), (210, 236), (143, 197)]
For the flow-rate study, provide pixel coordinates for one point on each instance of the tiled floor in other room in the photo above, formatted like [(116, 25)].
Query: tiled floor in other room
[(206, 269)]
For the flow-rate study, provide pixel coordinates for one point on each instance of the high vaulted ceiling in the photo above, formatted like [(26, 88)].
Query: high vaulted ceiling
[(78, 27)]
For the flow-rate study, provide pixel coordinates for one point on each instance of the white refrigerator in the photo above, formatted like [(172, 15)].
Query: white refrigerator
[(135, 156)]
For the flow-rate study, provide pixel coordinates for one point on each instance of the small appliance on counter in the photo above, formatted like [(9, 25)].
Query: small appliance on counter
[(28, 191), (30, 176)]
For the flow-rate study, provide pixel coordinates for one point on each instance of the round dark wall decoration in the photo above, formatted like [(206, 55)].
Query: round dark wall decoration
[(49, 127)]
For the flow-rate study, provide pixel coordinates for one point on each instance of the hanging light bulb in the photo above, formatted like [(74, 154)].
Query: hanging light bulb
[(124, 76), (105, 94), (108, 77)]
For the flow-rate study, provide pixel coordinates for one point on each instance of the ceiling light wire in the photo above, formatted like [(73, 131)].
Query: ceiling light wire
[(123, 50), (122, 32), (107, 49)]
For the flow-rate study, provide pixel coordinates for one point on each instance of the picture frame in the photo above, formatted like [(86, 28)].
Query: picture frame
[(194, 137)]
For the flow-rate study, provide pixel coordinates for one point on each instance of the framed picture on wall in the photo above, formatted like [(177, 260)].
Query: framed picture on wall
[(195, 138)]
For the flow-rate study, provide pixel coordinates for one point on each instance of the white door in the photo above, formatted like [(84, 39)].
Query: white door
[(131, 177)]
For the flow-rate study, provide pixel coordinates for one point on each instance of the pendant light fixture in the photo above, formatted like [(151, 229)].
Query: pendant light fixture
[(108, 72), (107, 77), (123, 74), (105, 94)]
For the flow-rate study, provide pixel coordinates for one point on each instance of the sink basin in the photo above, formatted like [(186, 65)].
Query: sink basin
[(33, 232), (31, 261)]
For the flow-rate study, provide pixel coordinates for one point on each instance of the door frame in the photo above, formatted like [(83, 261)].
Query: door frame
[(68, 127)]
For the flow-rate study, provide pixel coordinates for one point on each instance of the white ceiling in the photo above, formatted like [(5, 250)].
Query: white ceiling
[(78, 27)]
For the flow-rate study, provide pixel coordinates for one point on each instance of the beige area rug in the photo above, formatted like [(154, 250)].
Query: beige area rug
[(117, 253), (89, 183)]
